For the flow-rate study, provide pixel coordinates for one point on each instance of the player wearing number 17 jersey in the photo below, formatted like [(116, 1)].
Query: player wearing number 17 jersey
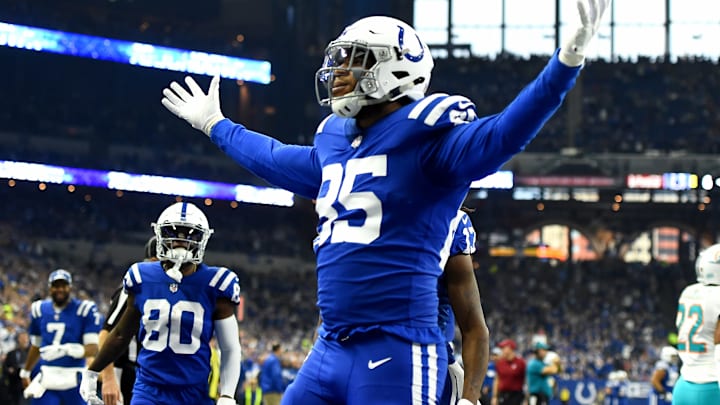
[(177, 304), (388, 170), (698, 323)]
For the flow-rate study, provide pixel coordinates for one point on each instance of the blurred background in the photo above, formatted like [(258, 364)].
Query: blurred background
[(585, 239)]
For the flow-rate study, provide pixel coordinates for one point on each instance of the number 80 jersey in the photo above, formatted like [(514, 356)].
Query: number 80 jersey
[(697, 317), (177, 323)]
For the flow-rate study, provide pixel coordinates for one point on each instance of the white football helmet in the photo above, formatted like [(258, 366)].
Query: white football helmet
[(668, 354), (387, 58), (707, 265), (182, 233)]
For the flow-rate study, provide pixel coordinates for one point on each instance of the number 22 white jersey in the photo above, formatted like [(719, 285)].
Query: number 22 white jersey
[(697, 317)]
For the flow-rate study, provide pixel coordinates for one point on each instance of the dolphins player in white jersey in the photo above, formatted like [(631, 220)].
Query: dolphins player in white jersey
[(698, 323), (389, 169)]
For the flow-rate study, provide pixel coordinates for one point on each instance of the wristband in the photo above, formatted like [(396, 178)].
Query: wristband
[(24, 373)]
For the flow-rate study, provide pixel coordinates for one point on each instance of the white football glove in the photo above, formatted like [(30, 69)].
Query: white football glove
[(226, 401), (88, 387), (201, 110), (35, 388), (591, 11), (54, 352)]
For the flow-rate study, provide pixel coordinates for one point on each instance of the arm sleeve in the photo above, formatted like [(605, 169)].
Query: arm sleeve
[(226, 331), (292, 167), (475, 149)]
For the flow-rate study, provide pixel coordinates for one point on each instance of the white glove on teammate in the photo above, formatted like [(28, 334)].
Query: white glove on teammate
[(225, 401), (35, 389), (88, 387), (591, 11), (54, 352), (201, 110)]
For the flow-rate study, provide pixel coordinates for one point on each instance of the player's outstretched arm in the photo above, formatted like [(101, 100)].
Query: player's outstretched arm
[(200, 110), (465, 300), (591, 12)]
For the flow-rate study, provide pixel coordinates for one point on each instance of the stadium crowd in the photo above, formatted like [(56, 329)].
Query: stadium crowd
[(599, 316)]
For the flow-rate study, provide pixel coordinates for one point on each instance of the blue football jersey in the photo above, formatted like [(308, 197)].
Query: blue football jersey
[(78, 322), (385, 196), (177, 323), (460, 241)]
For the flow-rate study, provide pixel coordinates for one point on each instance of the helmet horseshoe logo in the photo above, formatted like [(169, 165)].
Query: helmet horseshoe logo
[(408, 55)]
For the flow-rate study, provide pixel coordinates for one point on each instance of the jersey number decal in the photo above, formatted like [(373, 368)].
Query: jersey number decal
[(687, 332), (58, 329), (164, 325), (339, 190)]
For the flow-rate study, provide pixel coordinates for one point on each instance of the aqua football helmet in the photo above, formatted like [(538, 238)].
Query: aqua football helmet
[(182, 232), (387, 59), (707, 266)]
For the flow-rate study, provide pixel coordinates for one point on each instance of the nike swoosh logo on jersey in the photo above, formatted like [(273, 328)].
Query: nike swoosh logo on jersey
[(375, 364)]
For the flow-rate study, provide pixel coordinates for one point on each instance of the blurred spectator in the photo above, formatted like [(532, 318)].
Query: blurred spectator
[(11, 388), (509, 375), (271, 381)]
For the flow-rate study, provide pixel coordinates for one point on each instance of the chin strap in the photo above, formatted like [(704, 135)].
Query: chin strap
[(174, 272)]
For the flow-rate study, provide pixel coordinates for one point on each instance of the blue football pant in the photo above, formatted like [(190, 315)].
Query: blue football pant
[(375, 368), (145, 394)]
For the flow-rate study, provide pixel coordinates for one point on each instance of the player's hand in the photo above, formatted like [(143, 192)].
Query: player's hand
[(53, 352), (591, 12), (201, 110), (464, 401), (25, 377), (88, 387), (111, 392), (226, 401), (74, 350)]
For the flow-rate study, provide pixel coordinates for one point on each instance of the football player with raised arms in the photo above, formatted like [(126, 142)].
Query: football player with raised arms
[(388, 169), (63, 332), (698, 323), (460, 300), (174, 306)]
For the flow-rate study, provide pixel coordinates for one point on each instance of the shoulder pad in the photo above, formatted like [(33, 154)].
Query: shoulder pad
[(132, 278), (85, 307), (443, 110), (36, 309), (227, 283)]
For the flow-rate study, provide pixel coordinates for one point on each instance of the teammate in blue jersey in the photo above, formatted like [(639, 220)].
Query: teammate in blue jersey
[(388, 170), (174, 306), (63, 332), (664, 376), (458, 294), (616, 388)]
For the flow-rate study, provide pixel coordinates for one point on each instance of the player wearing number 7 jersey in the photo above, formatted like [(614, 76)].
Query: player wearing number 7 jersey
[(388, 170), (63, 332), (698, 323), (177, 304)]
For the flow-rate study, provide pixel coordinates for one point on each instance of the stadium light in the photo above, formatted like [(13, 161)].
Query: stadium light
[(134, 53)]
